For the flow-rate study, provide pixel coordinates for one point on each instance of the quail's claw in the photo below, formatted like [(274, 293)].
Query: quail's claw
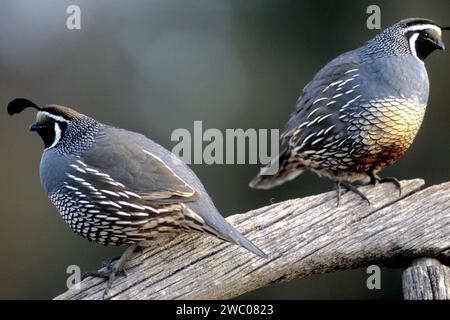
[(351, 188), (393, 181), (374, 179)]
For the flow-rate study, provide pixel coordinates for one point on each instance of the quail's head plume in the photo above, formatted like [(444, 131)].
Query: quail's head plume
[(117, 187), (361, 111)]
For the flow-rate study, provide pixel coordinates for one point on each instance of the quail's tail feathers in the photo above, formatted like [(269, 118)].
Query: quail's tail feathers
[(229, 233), (281, 169), (216, 225)]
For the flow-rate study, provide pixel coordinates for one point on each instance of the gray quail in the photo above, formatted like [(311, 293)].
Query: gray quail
[(360, 112), (117, 187)]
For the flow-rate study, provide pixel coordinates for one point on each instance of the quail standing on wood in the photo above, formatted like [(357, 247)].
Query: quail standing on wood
[(361, 111), (117, 187)]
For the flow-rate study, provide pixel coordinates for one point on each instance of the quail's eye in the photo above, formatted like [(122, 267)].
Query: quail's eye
[(426, 34)]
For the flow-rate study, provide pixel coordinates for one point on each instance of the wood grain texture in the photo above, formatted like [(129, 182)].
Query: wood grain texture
[(426, 279), (302, 237)]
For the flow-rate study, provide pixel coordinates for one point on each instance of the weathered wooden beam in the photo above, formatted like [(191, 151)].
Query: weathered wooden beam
[(302, 237), (426, 279)]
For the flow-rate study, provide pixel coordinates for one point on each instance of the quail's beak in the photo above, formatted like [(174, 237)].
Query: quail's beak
[(34, 127), (440, 44)]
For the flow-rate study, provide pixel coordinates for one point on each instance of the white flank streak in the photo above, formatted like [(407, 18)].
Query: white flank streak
[(309, 115), (320, 99), (82, 163), (111, 193), (348, 80), (337, 96), (324, 117), (121, 213), (154, 210), (316, 141), (105, 203), (350, 71), (123, 194), (133, 194), (343, 141), (74, 178), (303, 124), (307, 138), (131, 205), (350, 102), (312, 122), (329, 129), (139, 214), (331, 102), (331, 85)]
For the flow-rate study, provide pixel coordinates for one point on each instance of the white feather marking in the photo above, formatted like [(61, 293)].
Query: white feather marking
[(351, 70), (332, 85), (329, 129), (324, 117), (57, 136), (312, 112), (110, 192), (307, 138), (421, 27), (132, 205), (412, 45), (192, 191), (54, 117), (316, 141), (320, 99)]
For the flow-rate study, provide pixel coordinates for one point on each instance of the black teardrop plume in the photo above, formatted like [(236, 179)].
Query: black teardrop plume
[(445, 28), (19, 104)]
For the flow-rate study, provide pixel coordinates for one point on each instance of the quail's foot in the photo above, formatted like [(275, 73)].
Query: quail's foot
[(349, 187), (113, 268), (374, 179)]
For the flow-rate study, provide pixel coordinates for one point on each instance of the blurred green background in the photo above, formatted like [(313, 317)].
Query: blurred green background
[(154, 66)]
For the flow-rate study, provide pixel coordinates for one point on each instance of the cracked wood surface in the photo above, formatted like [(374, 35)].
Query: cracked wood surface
[(426, 279), (301, 236)]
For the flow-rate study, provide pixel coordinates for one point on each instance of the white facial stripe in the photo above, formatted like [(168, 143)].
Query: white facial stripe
[(57, 136), (422, 27), (412, 45), (56, 118)]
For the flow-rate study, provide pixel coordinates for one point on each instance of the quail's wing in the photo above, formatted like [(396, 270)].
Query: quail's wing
[(333, 90), (127, 161)]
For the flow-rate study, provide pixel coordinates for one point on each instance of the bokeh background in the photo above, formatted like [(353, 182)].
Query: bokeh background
[(154, 66)]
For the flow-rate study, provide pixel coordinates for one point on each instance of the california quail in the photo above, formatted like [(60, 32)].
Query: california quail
[(361, 111), (117, 187)]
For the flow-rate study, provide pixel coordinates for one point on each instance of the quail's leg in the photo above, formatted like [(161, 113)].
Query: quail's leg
[(349, 187), (118, 267), (352, 188), (338, 190), (113, 268), (374, 179), (101, 274)]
